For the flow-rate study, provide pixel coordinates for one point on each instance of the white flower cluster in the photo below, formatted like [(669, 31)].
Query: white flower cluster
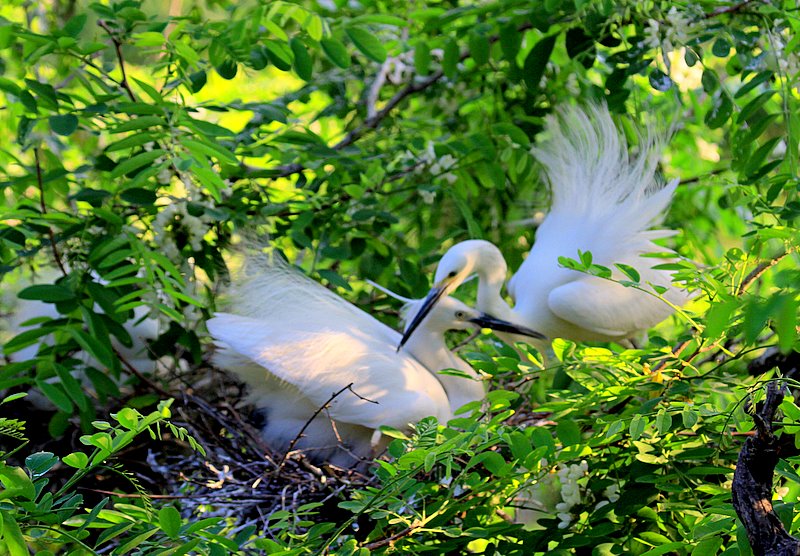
[(673, 30), (175, 217), (569, 476), (438, 167), (611, 493)]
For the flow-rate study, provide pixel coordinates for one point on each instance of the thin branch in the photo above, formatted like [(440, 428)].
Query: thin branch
[(141, 376), (299, 435), (375, 120), (728, 9), (43, 207), (756, 273), (118, 48), (389, 540)]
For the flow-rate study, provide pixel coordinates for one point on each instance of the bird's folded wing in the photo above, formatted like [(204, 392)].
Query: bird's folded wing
[(606, 307), (387, 388)]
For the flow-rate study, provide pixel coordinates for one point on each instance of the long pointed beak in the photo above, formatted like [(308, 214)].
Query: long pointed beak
[(435, 293), (499, 325)]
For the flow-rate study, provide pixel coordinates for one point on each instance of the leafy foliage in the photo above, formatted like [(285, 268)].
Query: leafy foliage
[(362, 140)]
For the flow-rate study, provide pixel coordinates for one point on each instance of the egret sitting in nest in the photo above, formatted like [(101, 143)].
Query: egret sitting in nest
[(295, 343)]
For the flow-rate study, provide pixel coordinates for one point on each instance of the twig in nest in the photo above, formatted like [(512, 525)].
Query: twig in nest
[(300, 434), (752, 484)]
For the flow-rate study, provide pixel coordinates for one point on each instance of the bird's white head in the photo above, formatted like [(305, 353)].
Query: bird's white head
[(451, 314), (474, 256), (467, 257)]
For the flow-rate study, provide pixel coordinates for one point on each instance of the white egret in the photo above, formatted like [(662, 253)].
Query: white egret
[(603, 201), (295, 343)]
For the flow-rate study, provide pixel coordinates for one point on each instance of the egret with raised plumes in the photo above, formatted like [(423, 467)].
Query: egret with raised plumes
[(603, 202)]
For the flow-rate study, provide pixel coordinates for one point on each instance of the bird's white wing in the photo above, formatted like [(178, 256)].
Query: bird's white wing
[(606, 308), (269, 289), (321, 360)]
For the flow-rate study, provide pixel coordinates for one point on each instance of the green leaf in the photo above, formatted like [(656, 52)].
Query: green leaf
[(752, 106), (63, 124), (510, 41), (210, 149), (134, 542), (492, 461), (279, 54), (136, 162), (785, 318), (721, 48), (78, 460), (95, 348), (49, 293), (580, 46), (72, 387), (422, 58), (56, 395), (637, 426), (568, 432), (139, 196), (718, 318), (136, 124), (689, 417), (536, 61), (450, 58), (720, 110), (367, 43), (40, 463), (12, 536), (75, 25), (753, 83), (303, 65), (336, 52), (227, 69), (663, 422), (479, 48), (170, 521), (659, 80), (629, 271)]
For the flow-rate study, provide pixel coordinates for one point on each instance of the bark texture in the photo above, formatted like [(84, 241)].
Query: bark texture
[(752, 484)]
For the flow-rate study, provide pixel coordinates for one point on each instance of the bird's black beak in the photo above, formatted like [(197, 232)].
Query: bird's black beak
[(498, 325), (434, 295)]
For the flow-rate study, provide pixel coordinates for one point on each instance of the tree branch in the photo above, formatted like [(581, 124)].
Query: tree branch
[(374, 121), (756, 273), (389, 540), (752, 484), (43, 207), (118, 48), (727, 9)]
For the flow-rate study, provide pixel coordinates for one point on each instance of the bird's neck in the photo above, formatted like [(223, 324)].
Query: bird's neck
[(430, 349), (489, 298)]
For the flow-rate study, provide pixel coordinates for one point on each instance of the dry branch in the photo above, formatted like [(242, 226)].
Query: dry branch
[(752, 484)]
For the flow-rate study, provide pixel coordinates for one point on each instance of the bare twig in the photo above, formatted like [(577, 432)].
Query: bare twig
[(300, 434), (141, 376), (728, 9), (118, 48), (43, 207)]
